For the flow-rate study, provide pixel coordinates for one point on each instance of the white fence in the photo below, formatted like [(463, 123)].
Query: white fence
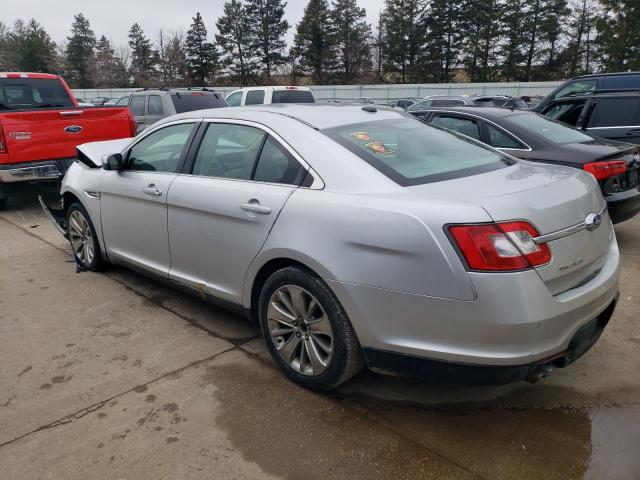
[(377, 93)]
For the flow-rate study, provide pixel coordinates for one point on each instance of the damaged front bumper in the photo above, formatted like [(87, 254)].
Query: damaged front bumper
[(56, 216)]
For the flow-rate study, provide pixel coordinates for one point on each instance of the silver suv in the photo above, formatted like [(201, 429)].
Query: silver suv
[(150, 105)]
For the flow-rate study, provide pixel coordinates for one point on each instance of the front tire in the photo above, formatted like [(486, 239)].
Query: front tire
[(83, 238), (307, 331)]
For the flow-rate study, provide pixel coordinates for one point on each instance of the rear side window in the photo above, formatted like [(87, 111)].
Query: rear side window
[(137, 105), (277, 165), (461, 125), (292, 96), (190, 101), (228, 151), (447, 103), (412, 153), (616, 112), (553, 131), (254, 97), (499, 139), (155, 105), (622, 81), (30, 93), (235, 99)]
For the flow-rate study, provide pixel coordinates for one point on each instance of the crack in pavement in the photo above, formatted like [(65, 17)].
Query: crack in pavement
[(98, 405)]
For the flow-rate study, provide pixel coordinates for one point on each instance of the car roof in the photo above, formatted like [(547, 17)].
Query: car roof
[(490, 113), (613, 74), (318, 115), (631, 92), (49, 76), (274, 87)]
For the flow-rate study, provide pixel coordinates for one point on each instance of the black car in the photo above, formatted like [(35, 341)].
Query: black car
[(612, 115), (589, 83), (530, 136), (504, 101)]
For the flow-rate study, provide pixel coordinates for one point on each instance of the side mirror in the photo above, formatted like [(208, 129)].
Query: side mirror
[(113, 162)]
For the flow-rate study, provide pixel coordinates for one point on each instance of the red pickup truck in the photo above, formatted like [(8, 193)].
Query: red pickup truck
[(41, 124)]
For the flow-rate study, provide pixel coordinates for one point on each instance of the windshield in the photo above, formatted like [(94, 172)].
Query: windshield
[(551, 130), (412, 153), (31, 93), (190, 101), (292, 96)]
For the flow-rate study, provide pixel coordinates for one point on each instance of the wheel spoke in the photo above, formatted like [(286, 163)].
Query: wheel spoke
[(77, 244), (321, 325), (314, 356), (85, 252), (297, 298), (279, 331), (304, 357), (278, 314), (73, 223), (322, 343), (290, 348), (286, 301), (313, 305)]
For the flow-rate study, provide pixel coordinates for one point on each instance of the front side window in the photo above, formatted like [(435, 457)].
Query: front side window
[(228, 151), (461, 125), (616, 112), (549, 129), (161, 150), (579, 86), (566, 112), (412, 153), (137, 105), (277, 165), (254, 97), (235, 99), (155, 105)]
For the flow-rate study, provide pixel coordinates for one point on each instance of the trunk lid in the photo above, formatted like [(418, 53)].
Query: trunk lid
[(54, 134), (551, 198)]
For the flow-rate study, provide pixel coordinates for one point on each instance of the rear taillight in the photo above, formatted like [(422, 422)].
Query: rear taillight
[(3, 143), (501, 247), (602, 170)]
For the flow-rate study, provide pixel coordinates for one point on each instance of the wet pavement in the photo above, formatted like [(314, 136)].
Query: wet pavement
[(116, 376)]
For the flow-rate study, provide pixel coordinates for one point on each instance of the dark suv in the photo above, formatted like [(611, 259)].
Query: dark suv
[(610, 115), (150, 105), (589, 83)]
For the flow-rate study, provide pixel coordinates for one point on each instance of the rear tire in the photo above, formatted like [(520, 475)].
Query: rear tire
[(83, 239), (307, 331)]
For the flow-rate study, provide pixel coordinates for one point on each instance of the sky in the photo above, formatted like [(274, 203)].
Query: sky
[(114, 17)]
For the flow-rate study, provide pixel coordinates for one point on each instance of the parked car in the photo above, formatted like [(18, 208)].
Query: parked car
[(363, 101), (615, 116), (123, 101), (532, 101), (99, 101), (503, 101), (113, 102), (150, 105), (529, 136), (441, 101), (357, 235), (40, 125), (404, 103), (588, 83), (269, 95)]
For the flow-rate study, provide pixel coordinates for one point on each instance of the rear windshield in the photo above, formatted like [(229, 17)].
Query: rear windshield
[(550, 129), (412, 153), (190, 101), (32, 93), (292, 96)]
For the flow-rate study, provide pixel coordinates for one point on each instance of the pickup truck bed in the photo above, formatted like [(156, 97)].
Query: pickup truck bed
[(41, 124)]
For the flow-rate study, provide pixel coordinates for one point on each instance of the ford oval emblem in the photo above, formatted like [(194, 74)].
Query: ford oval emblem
[(593, 221), (73, 129)]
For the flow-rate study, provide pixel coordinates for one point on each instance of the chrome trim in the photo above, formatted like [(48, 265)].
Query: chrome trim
[(25, 174), (607, 128), (550, 237), (92, 193)]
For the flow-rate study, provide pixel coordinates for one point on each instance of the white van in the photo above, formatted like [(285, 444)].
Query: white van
[(269, 95)]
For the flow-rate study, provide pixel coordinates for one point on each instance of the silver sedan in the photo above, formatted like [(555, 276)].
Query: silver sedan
[(356, 235)]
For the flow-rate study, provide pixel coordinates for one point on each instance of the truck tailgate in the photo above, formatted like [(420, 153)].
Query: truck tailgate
[(54, 134)]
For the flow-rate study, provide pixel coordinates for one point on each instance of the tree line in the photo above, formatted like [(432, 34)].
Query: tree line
[(413, 41)]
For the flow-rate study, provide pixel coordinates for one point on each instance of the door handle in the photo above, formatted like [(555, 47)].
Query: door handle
[(152, 190), (255, 207), (71, 113)]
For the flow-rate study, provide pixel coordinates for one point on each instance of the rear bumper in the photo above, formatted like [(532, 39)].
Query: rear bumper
[(45, 170), (440, 371), (623, 205)]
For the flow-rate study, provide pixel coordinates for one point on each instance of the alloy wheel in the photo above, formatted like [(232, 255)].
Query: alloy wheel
[(300, 330), (81, 237)]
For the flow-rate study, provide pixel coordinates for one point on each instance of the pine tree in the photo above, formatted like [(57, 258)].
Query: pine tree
[(202, 56), (4, 49), (405, 36), (106, 64), (379, 47), (80, 53), (552, 30), (482, 21), (444, 38), (267, 28), (581, 25), (30, 48), (352, 39), (172, 57), (313, 44), (514, 39), (143, 57), (619, 35), (237, 54)]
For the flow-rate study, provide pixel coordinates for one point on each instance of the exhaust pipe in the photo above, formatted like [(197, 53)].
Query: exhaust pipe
[(540, 373)]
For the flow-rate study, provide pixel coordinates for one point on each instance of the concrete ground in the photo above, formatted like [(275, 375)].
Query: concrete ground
[(114, 376)]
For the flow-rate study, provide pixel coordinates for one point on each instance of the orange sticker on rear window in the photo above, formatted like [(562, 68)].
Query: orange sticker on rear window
[(378, 148), (364, 136)]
